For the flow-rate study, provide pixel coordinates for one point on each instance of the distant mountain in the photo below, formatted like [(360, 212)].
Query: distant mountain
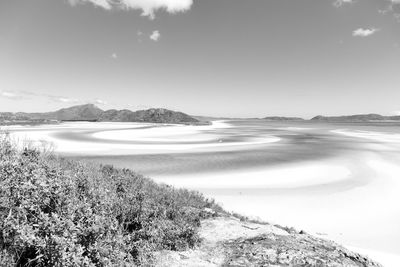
[(157, 115), (116, 115), (90, 112), (277, 118), (9, 116), (356, 118)]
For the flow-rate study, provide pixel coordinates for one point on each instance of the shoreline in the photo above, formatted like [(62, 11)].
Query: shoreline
[(298, 206), (340, 198), (386, 259)]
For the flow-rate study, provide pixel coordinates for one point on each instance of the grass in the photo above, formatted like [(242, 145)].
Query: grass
[(58, 212)]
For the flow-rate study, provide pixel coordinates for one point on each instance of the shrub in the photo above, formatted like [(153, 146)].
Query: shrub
[(57, 212)]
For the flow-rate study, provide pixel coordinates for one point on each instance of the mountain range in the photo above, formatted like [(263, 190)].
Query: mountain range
[(356, 118), (90, 112)]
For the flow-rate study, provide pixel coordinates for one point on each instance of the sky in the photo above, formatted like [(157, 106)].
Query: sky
[(235, 58)]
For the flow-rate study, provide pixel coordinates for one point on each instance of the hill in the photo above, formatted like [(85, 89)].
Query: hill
[(159, 115), (90, 112), (356, 118), (56, 212)]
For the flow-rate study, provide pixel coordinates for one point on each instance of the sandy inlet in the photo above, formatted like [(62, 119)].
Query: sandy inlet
[(335, 181)]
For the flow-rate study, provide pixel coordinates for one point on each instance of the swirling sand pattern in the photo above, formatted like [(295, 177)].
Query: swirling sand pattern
[(135, 138), (340, 180)]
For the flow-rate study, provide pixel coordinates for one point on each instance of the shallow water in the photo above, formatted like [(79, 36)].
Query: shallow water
[(339, 181)]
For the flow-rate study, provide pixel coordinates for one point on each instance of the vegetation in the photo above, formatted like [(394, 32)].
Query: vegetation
[(158, 115), (57, 212)]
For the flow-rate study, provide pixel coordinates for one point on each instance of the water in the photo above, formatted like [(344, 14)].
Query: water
[(339, 181)]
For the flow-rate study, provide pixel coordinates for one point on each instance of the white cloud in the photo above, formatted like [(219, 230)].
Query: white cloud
[(364, 32), (10, 95), (100, 102), (155, 36), (24, 95), (65, 99), (55, 98), (100, 3), (391, 7), (394, 9), (148, 7), (114, 56), (339, 3)]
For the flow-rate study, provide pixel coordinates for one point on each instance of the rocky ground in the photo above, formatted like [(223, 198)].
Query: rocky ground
[(228, 241)]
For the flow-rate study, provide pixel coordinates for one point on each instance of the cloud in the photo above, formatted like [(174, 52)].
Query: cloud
[(393, 8), (55, 98), (148, 7), (68, 100), (63, 99), (364, 32), (339, 3), (155, 36), (10, 95), (100, 102), (114, 55), (23, 95)]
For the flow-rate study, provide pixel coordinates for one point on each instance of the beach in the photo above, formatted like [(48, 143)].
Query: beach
[(337, 182)]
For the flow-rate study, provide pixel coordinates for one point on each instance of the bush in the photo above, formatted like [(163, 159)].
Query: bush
[(57, 212)]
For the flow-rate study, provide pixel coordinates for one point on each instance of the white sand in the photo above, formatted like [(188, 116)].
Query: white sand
[(167, 133), (76, 126), (366, 217), (376, 136), (310, 196), (164, 137), (308, 174)]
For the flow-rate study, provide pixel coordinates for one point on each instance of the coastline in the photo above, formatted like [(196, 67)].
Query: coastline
[(386, 259), (298, 206), (320, 196)]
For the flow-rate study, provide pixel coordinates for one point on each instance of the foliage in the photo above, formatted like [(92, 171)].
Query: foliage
[(57, 212)]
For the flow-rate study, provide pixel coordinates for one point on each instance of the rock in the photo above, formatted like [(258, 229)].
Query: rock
[(291, 250), (228, 241), (209, 211)]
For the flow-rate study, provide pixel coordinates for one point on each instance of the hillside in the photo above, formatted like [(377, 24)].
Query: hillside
[(159, 115), (56, 212), (90, 112)]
